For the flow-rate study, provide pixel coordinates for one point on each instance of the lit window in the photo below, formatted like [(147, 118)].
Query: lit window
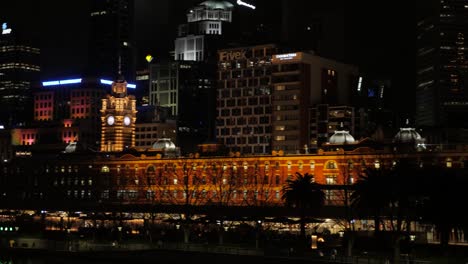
[(330, 180), (448, 163), (105, 169), (312, 165), (377, 164)]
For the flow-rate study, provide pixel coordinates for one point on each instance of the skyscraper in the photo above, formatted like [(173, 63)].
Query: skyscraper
[(442, 65), (19, 68), (111, 41)]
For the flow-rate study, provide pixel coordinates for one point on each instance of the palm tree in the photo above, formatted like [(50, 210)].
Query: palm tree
[(302, 193)]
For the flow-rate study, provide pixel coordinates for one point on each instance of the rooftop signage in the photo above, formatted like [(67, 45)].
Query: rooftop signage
[(5, 29), (287, 57), (232, 55)]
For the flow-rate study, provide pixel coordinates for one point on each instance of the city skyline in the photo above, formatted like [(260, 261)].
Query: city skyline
[(375, 38)]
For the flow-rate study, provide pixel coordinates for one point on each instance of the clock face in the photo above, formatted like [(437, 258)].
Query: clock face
[(127, 120), (110, 120)]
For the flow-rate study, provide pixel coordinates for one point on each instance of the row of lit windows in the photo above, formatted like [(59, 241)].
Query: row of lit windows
[(43, 96), (43, 104), (177, 194), (22, 66), (74, 181), (43, 113), (240, 121), (19, 48), (79, 194), (215, 166), (81, 110)]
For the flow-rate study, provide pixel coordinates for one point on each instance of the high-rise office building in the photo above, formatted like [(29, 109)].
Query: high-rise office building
[(19, 69), (264, 97), (111, 40), (183, 89), (442, 65), (243, 106)]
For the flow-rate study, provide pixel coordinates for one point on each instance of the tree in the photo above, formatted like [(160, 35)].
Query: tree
[(395, 190), (304, 194), (371, 193)]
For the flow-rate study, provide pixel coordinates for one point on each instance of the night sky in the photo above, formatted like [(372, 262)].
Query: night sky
[(378, 36)]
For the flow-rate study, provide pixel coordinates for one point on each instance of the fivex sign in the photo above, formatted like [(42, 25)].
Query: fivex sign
[(232, 55)]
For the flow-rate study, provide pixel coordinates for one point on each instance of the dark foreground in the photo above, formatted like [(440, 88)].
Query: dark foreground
[(30, 256)]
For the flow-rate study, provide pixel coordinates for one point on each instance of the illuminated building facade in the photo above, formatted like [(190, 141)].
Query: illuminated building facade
[(244, 99), (301, 80), (205, 25), (265, 97), (19, 69), (148, 178), (442, 65), (118, 117)]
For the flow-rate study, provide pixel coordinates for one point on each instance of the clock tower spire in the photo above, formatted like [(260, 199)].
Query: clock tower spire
[(118, 117)]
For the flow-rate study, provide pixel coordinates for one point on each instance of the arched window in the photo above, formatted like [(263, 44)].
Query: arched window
[(331, 165), (105, 169)]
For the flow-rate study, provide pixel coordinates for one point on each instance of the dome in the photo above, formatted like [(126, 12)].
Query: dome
[(164, 143), (211, 4), (341, 137), (70, 148), (407, 135)]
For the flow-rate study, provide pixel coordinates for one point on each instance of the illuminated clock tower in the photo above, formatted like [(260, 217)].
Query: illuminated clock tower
[(118, 117)]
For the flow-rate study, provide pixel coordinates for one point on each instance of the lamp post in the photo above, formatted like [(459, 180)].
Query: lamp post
[(120, 233)]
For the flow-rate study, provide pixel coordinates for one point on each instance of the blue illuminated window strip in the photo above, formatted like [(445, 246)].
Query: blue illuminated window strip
[(129, 85), (50, 83), (106, 82), (72, 81), (61, 82)]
